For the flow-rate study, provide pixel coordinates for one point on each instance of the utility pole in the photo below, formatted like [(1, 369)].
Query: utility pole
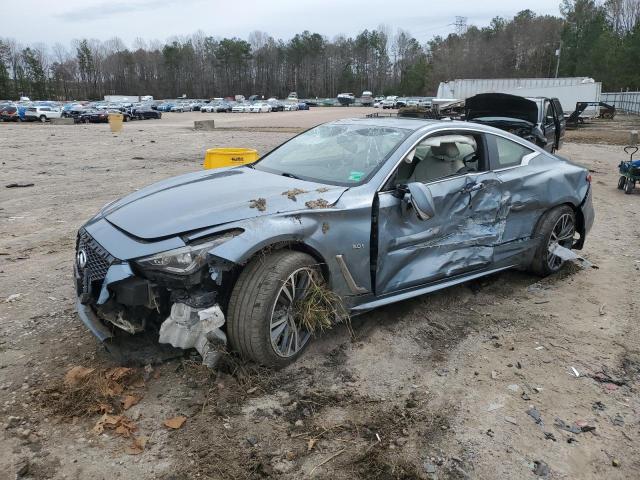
[(461, 25), (558, 52)]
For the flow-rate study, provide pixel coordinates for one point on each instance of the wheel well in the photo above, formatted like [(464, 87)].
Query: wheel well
[(230, 278), (579, 222)]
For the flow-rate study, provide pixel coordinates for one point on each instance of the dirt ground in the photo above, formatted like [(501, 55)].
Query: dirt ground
[(476, 381)]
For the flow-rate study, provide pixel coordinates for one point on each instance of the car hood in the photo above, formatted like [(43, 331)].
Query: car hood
[(501, 105), (208, 198)]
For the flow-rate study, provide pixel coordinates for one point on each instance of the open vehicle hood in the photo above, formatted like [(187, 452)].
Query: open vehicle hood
[(208, 198), (501, 105)]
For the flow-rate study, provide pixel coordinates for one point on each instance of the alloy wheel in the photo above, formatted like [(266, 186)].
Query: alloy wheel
[(562, 234), (288, 334)]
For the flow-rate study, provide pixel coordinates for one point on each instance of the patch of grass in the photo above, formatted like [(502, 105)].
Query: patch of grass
[(320, 309)]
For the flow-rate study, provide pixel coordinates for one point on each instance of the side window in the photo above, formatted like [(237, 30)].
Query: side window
[(548, 113), (508, 153), (442, 156)]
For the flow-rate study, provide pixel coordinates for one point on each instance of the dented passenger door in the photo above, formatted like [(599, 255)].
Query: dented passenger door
[(460, 237)]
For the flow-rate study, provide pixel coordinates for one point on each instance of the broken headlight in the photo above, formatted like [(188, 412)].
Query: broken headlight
[(184, 260)]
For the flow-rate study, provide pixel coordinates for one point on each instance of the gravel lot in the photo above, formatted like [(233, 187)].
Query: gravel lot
[(435, 387)]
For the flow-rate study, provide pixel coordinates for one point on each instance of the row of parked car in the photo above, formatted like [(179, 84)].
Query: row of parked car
[(393, 101), (80, 112), (98, 112), (228, 106)]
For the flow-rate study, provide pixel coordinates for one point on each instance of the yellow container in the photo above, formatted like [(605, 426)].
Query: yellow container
[(229, 157), (115, 122)]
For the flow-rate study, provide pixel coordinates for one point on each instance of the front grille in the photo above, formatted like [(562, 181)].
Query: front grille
[(98, 259)]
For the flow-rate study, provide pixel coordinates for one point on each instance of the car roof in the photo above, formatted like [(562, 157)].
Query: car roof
[(426, 125), (395, 122)]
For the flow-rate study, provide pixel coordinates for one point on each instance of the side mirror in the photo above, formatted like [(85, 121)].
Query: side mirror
[(419, 197)]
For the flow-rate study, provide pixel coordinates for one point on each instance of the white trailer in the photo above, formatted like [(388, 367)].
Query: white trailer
[(122, 98), (569, 91)]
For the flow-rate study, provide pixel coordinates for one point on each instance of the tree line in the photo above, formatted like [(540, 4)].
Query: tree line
[(597, 39)]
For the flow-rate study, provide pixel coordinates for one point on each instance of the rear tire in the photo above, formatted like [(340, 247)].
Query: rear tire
[(255, 308), (629, 186), (556, 226), (43, 119)]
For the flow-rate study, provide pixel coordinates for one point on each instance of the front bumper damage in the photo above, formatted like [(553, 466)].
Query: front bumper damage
[(189, 327), (114, 303)]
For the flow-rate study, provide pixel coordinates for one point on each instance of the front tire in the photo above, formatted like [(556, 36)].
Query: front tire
[(557, 226), (629, 186), (43, 119), (621, 182), (260, 320)]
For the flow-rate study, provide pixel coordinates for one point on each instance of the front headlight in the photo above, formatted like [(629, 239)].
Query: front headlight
[(184, 260)]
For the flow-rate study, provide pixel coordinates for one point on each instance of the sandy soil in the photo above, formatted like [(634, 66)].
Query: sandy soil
[(435, 387)]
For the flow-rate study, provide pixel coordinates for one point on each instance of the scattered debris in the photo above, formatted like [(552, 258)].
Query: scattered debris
[(322, 190), (137, 158), (618, 420), (525, 397), (511, 420), (137, 446), (535, 414), (76, 374), (293, 193), (19, 185), (175, 422), (260, 204), (615, 462), (540, 468), (570, 256), (602, 311), (316, 204), (13, 297), (561, 424), (429, 467), (120, 424), (129, 401), (549, 436), (494, 406), (598, 406), (575, 372), (327, 460)]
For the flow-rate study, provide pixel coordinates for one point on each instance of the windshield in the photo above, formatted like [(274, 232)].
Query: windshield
[(334, 154)]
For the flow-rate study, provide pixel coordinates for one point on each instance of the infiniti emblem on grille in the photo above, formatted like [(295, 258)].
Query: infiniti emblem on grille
[(81, 259)]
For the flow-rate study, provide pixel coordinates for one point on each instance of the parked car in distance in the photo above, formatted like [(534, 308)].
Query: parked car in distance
[(276, 105), (241, 108), (9, 113), (42, 113), (165, 107), (537, 119), (385, 209), (303, 106), (259, 107), (144, 113), (290, 107), (389, 102), (92, 115)]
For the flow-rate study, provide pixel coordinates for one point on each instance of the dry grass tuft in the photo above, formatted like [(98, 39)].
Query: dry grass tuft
[(320, 309)]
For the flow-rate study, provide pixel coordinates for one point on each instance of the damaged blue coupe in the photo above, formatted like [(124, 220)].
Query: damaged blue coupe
[(377, 210)]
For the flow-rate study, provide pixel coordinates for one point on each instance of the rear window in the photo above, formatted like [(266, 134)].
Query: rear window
[(510, 154), (32, 109)]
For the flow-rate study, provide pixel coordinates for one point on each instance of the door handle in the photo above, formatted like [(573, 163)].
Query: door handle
[(472, 187)]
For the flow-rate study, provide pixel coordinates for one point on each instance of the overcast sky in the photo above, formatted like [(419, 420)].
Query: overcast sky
[(50, 21)]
